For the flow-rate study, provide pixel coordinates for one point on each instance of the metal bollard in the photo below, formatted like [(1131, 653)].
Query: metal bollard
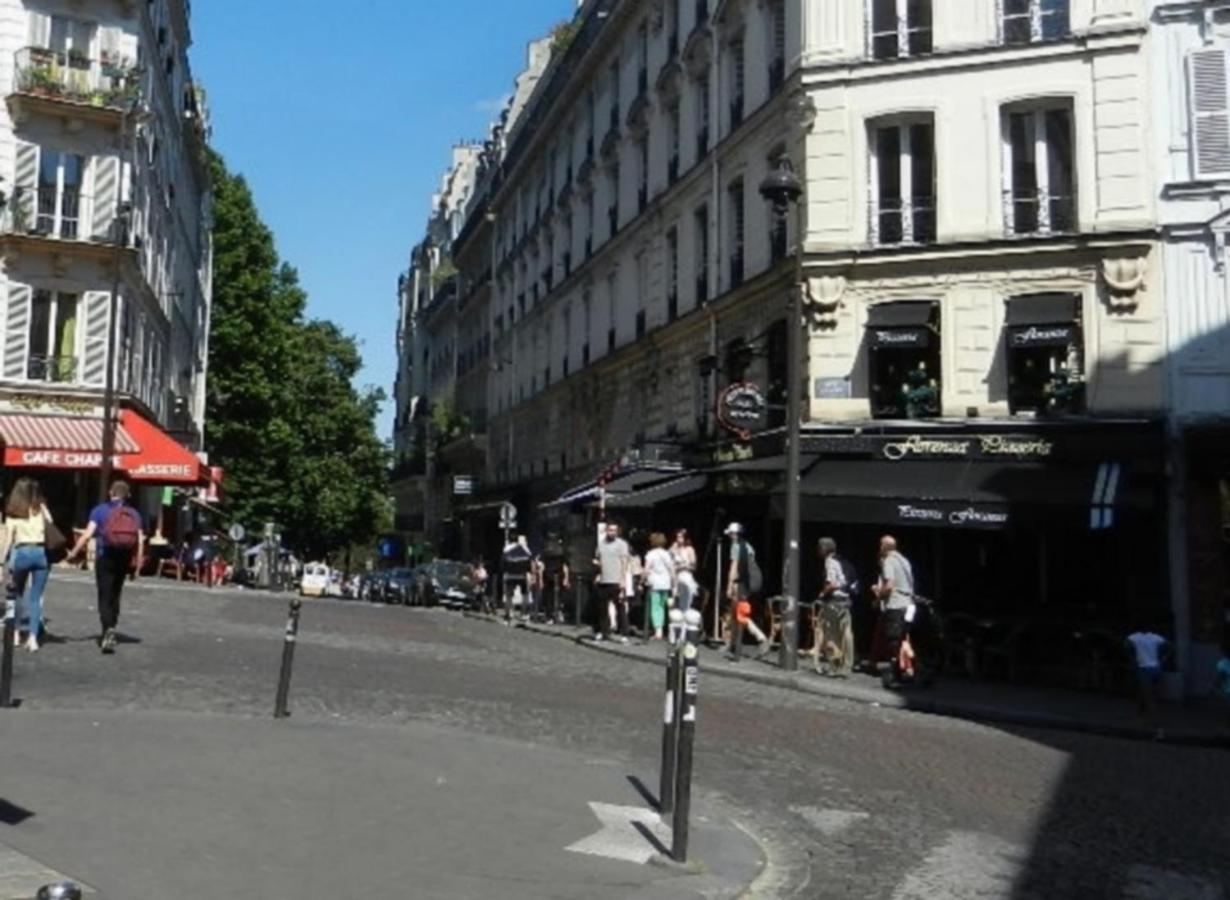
[(61, 890), (6, 656), (690, 678), (288, 657), (670, 716)]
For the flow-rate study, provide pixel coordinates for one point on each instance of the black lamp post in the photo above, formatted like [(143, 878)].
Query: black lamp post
[(782, 189)]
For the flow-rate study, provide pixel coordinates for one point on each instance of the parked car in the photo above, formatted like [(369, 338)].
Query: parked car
[(315, 580), (399, 586), (371, 588), (446, 583)]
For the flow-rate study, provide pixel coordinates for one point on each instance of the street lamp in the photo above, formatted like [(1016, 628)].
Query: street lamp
[(782, 189)]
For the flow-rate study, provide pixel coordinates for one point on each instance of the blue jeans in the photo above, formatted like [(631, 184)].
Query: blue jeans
[(29, 562)]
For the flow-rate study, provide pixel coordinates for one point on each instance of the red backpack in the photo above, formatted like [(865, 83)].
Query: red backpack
[(121, 530)]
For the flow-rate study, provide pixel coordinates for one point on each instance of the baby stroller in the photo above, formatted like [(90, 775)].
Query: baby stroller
[(919, 657)]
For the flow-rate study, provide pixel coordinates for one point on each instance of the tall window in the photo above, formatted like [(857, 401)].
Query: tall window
[(1039, 173), (1030, 21), (1208, 92), (589, 226), (59, 193), (899, 28), (612, 212), (734, 196), (53, 337), (737, 79), (642, 59), (642, 294), (672, 28), (614, 78), (902, 183), (702, 117), (587, 312), (642, 192), (777, 44), (672, 274), (701, 229), (612, 305), (672, 125)]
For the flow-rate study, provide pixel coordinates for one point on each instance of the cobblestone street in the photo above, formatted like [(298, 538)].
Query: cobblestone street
[(844, 800)]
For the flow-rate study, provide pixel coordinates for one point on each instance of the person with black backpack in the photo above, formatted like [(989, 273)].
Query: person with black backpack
[(744, 581), (120, 534), (834, 627)]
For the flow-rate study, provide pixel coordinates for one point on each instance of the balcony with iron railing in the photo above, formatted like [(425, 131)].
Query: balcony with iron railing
[(51, 369), (895, 222), (49, 211), (107, 86), (1038, 213)]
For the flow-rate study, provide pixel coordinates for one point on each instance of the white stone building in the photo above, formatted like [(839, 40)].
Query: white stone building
[(106, 185), (990, 316), (1191, 156)]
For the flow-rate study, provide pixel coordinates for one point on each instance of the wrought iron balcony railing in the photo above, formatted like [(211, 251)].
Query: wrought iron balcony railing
[(902, 222), (108, 83), (1039, 212)]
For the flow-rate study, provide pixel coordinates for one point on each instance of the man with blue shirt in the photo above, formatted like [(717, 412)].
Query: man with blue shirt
[(120, 535)]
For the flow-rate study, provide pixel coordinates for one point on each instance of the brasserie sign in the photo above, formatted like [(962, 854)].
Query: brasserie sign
[(990, 445), (743, 410)]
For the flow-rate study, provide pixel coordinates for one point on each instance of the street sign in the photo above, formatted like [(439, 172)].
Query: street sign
[(463, 485), (508, 516), (237, 532)]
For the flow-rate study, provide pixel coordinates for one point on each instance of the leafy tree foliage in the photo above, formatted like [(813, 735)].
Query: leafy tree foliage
[(297, 439)]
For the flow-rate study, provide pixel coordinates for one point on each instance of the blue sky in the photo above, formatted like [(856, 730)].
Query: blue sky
[(342, 123)]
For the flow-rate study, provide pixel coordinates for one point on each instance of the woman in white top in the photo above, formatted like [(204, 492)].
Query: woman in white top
[(660, 573), (25, 531), (683, 554)]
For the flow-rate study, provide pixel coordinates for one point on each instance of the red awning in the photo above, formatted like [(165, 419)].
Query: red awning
[(58, 442), (161, 459), (144, 452)]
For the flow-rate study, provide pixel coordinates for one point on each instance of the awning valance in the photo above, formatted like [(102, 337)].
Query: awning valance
[(905, 324), (69, 434), (651, 496)]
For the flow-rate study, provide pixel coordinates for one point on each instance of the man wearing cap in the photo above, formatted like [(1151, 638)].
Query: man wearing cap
[(741, 584)]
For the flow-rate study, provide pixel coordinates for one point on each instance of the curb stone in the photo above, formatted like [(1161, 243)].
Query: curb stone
[(911, 703)]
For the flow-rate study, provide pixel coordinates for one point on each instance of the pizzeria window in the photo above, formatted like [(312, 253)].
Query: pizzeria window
[(1043, 339), (903, 340)]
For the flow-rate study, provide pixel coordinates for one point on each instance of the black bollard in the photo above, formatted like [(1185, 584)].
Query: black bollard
[(690, 677), (670, 717), (288, 657), (6, 656)]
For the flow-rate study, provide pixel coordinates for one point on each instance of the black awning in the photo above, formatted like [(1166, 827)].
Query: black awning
[(663, 492), (1043, 309), (962, 493), (904, 324)]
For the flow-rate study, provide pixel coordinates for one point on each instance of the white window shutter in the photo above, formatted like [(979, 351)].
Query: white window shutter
[(39, 34), (1209, 101), (17, 331), (94, 338), (106, 171), (25, 187)]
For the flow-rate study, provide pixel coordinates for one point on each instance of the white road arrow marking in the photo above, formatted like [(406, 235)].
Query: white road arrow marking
[(620, 838)]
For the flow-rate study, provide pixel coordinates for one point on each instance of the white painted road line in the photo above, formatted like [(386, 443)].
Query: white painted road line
[(620, 838), (21, 876), (966, 866)]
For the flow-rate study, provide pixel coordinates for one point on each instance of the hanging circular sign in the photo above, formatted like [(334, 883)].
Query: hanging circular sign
[(742, 409)]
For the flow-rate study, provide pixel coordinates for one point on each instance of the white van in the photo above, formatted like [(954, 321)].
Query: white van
[(315, 580)]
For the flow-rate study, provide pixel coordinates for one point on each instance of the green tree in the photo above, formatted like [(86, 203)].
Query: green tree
[(297, 439)]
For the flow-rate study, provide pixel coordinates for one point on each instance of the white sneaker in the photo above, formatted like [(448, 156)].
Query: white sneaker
[(623, 640), (32, 644)]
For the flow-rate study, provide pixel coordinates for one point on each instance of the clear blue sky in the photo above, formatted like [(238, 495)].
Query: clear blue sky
[(342, 116)]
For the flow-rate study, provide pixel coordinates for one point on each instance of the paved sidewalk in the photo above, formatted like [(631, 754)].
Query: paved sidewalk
[(1191, 724), (155, 804)]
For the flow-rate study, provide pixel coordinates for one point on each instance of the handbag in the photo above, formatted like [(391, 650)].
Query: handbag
[(54, 541)]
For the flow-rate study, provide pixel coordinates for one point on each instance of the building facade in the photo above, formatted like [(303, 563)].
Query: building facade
[(106, 195), (1191, 154), (986, 254)]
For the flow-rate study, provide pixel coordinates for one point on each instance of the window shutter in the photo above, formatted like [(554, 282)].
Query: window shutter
[(1210, 115), (40, 29), (106, 196), (17, 331), (25, 184), (94, 340)]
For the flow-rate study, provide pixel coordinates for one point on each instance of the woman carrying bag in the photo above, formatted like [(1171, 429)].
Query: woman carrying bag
[(29, 534)]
